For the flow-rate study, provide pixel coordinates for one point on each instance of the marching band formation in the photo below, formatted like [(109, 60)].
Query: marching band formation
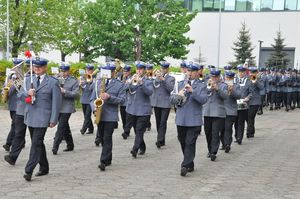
[(222, 103)]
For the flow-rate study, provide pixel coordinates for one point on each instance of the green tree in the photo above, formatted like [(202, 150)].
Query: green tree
[(147, 30), (30, 20), (243, 47), (278, 57), (64, 33)]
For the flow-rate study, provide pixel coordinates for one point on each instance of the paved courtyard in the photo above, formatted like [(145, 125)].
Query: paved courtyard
[(267, 166)]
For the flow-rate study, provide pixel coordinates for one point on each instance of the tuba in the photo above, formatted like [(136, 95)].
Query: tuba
[(98, 103)]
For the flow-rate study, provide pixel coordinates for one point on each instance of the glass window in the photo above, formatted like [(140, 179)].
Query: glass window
[(290, 5), (230, 5), (241, 5), (208, 5), (298, 5), (217, 4), (278, 5), (266, 5), (197, 5), (256, 5)]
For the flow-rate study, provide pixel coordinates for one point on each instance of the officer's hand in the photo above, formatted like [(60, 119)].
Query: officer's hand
[(105, 96), (52, 125), (62, 90), (31, 92), (246, 99), (189, 88)]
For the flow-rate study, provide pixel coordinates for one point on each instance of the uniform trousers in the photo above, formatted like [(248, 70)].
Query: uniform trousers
[(11, 133), (139, 124), (37, 153), (251, 119), (87, 123), (63, 131), (19, 138), (107, 130), (213, 126), (161, 117), (187, 137)]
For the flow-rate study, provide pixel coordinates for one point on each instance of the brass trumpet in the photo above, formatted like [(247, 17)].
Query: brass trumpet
[(253, 78), (89, 77)]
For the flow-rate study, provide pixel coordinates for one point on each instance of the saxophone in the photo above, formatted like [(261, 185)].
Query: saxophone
[(98, 103), (5, 90)]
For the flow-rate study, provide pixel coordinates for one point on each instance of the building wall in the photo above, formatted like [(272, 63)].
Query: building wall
[(263, 26)]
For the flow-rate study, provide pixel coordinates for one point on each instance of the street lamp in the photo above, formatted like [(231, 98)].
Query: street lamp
[(259, 51), (7, 29), (219, 32)]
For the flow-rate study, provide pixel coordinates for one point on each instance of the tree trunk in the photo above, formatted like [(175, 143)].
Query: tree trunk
[(63, 56)]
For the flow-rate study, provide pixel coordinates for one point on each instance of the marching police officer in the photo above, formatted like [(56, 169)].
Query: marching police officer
[(112, 96), (214, 112), (12, 104), (86, 87), (163, 85), (264, 91), (40, 113), (295, 87), (272, 88), (234, 93), (243, 103), (257, 84), (139, 107), (191, 95), (18, 141), (127, 124), (69, 87)]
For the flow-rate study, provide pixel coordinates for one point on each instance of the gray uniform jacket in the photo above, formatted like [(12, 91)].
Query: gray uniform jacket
[(126, 88), (139, 98), (190, 113), (71, 86), (115, 89), (230, 102), (264, 79), (46, 107), (86, 93), (161, 95), (272, 82), (12, 98), (21, 103), (215, 104), (256, 89), (245, 86)]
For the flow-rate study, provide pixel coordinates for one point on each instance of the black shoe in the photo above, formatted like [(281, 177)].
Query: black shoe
[(97, 143), (227, 149), (239, 142), (208, 155), (8, 159), (89, 132), (133, 153), (41, 173), (68, 149), (27, 176), (190, 169), (82, 132), (248, 135), (102, 166), (6, 147), (159, 144), (183, 171), (142, 152), (271, 108), (222, 148), (125, 135), (54, 151), (251, 136), (213, 157)]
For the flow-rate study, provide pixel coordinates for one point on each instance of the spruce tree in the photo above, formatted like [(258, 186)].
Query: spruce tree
[(278, 57), (243, 47)]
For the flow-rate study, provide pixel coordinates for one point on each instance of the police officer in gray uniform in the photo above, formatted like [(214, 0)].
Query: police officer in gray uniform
[(163, 84), (263, 92), (18, 141), (85, 101), (189, 98), (255, 100), (127, 124), (113, 95), (246, 93), (69, 87), (272, 88), (214, 112), (230, 103), (40, 114), (139, 107), (12, 105)]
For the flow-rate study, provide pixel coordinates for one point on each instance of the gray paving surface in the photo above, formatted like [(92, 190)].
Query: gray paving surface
[(267, 166)]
